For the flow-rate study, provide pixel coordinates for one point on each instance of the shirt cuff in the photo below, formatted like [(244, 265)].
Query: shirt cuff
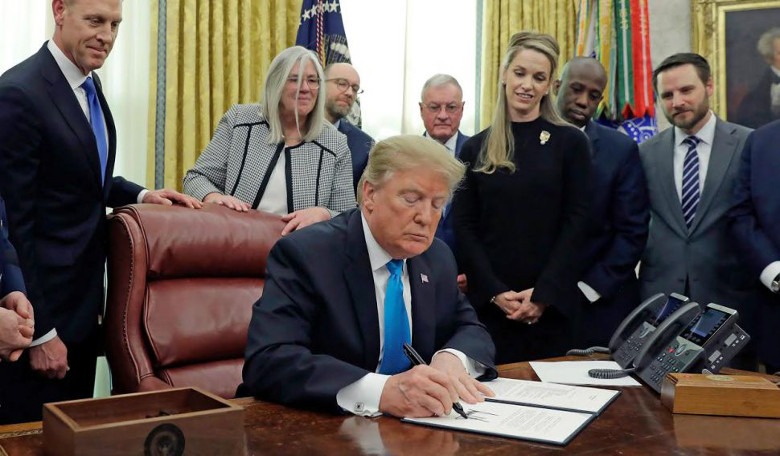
[(589, 292), (769, 273), (475, 369), (141, 195), (362, 397), (44, 338)]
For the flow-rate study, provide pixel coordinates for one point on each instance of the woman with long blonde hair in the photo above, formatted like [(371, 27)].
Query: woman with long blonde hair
[(520, 214)]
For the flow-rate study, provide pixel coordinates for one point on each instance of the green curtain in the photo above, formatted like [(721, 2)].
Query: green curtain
[(216, 55)]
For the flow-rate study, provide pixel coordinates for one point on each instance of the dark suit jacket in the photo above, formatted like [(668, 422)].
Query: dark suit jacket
[(9, 263), (360, 145), (315, 330), (755, 109), (755, 226), (50, 177), (446, 229), (705, 256), (617, 231)]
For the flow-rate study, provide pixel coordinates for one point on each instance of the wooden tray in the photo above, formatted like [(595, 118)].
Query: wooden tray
[(167, 422)]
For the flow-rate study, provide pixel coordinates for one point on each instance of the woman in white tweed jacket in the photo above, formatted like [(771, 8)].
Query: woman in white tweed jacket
[(280, 156)]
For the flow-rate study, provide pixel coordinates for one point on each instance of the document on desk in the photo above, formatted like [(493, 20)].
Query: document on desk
[(551, 395), (514, 421), (576, 373)]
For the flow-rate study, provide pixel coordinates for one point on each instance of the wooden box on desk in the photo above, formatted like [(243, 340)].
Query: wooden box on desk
[(727, 395), (175, 421)]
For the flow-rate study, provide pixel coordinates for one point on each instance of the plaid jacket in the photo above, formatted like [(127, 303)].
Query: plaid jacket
[(237, 160)]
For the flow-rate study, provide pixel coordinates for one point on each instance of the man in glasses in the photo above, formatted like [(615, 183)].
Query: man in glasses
[(341, 90), (441, 109)]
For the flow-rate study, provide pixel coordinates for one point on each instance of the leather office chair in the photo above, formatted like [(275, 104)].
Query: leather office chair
[(181, 285)]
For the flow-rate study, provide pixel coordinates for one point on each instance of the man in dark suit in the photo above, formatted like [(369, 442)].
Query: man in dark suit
[(755, 226), (341, 298), (691, 171), (441, 109), (57, 150), (16, 313), (341, 91), (619, 210)]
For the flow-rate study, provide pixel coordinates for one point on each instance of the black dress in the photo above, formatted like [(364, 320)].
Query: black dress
[(520, 230)]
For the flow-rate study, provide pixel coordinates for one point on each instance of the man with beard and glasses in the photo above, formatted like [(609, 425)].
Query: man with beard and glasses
[(691, 172), (341, 91)]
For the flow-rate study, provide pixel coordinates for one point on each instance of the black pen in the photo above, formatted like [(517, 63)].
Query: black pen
[(417, 360)]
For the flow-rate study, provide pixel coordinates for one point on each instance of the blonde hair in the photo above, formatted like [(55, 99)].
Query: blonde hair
[(499, 145), (404, 152), (276, 79)]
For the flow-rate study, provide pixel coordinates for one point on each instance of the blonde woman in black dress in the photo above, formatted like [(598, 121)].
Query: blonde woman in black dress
[(521, 212)]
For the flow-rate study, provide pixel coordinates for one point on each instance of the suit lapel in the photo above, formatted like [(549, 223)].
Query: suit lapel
[(724, 145), (360, 281), (65, 100), (423, 306), (665, 156), (593, 134)]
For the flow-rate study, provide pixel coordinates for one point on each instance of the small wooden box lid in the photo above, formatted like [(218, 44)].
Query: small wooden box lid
[(729, 395), (158, 422)]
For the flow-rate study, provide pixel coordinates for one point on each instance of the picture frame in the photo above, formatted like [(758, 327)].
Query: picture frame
[(726, 33)]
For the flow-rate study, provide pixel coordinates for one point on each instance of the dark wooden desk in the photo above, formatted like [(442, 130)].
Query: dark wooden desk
[(635, 424)]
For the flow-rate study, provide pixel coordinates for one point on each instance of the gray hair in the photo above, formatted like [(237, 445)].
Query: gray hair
[(766, 42), (405, 152), (440, 80), (275, 81)]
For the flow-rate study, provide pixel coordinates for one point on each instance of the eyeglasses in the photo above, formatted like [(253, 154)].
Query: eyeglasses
[(313, 83), (450, 108), (343, 85)]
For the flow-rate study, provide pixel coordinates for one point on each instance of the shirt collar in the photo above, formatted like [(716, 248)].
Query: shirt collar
[(706, 134), (775, 71), (376, 254), (72, 74), (337, 123), (450, 144)]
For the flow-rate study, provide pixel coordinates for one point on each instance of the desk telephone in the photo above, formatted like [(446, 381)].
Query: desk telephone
[(670, 334)]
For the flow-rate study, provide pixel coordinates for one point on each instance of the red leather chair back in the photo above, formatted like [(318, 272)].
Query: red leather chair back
[(181, 285)]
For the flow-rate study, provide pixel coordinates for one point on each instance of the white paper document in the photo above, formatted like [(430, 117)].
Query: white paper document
[(551, 395), (576, 373), (514, 421)]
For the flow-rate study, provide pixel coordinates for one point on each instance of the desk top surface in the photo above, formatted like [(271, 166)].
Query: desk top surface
[(635, 424)]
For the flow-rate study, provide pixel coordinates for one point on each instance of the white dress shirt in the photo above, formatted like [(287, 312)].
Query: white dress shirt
[(75, 79), (274, 198), (362, 397), (704, 149)]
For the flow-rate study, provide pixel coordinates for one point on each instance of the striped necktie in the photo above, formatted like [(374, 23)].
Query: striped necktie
[(690, 180)]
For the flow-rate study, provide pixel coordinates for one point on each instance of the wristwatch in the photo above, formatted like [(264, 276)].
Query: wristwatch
[(775, 285)]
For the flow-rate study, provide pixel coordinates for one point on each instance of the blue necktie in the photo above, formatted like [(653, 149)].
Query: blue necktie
[(396, 323), (98, 126), (690, 180)]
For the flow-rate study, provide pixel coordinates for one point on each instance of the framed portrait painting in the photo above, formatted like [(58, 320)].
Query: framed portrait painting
[(741, 40)]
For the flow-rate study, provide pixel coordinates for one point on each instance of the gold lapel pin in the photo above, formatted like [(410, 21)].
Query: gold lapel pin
[(544, 136)]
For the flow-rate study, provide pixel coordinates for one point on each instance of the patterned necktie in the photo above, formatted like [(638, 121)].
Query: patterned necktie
[(98, 125), (396, 323), (690, 180)]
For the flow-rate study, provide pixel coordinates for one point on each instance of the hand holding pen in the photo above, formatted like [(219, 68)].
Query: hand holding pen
[(417, 360)]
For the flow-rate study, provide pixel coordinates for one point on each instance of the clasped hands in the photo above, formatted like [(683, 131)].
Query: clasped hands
[(519, 307), (431, 390), (17, 325)]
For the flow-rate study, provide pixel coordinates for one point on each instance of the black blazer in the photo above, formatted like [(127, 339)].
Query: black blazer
[(315, 330), (360, 145), (11, 279), (50, 177), (617, 230)]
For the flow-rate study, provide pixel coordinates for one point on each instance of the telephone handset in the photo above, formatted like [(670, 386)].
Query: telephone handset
[(634, 330), (708, 340)]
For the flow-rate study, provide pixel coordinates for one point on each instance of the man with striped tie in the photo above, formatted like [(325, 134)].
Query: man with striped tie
[(691, 171)]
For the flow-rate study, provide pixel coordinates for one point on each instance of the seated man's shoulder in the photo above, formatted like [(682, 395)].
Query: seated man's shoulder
[(355, 131)]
